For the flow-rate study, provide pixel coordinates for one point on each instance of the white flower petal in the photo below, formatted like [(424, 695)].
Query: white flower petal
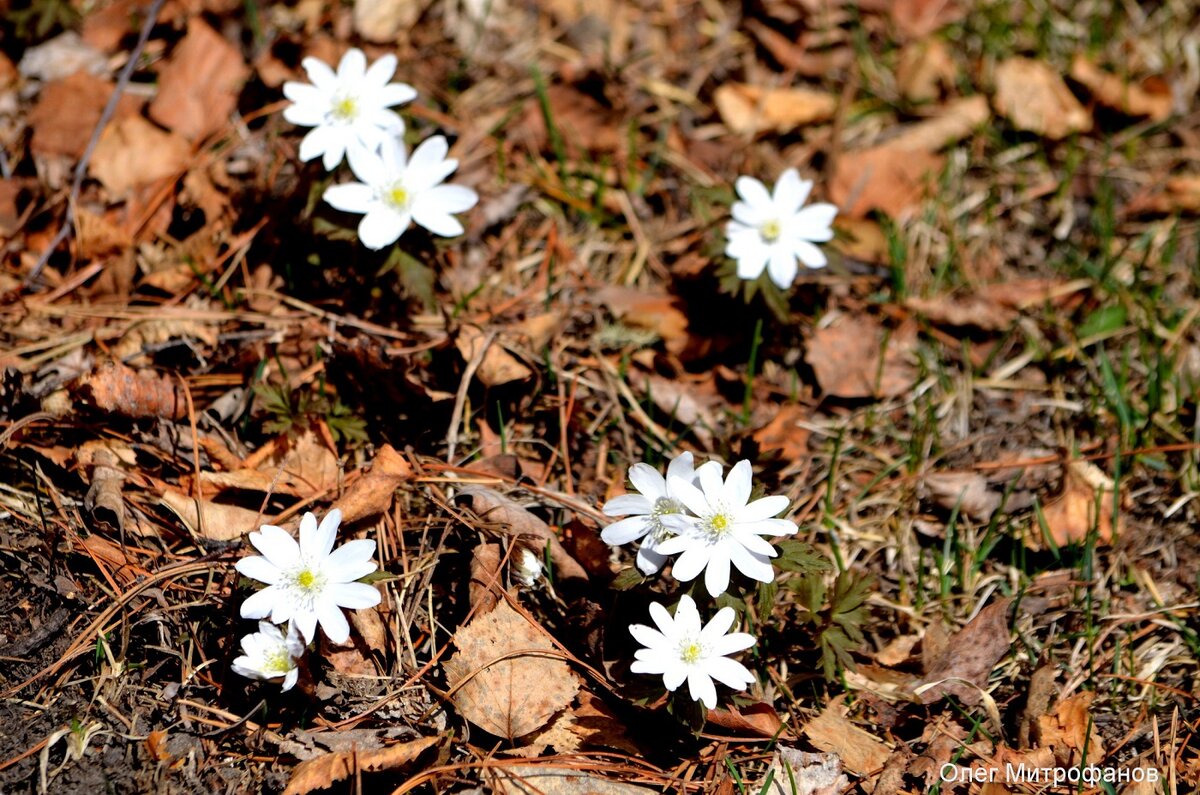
[(396, 94), (752, 542), (752, 261), (381, 227), (738, 484), (259, 605), (624, 531), (333, 622), (688, 565), (387, 120), (335, 149), (306, 625), (277, 546), (718, 625), (764, 508), (353, 67), (322, 540), (428, 158), (320, 74), (306, 114), (810, 255), (308, 528), (716, 574), (352, 197), (689, 495), (647, 636), (354, 595), (624, 504), (433, 219), (731, 644), (682, 467), (782, 266), (381, 71), (673, 677), (290, 680), (450, 198), (710, 483), (750, 216), (366, 165), (728, 672), (648, 481), (700, 688), (259, 568), (649, 560), (753, 192), (756, 567), (663, 620), (814, 223), (791, 192), (351, 560)]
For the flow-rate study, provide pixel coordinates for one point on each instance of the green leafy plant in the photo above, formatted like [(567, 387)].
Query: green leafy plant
[(294, 410), (835, 616)]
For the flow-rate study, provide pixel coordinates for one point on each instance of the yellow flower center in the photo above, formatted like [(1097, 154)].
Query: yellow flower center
[(278, 662), (663, 506), (397, 197), (691, 652), (717, 525), (345, 108), (770, 231), (305, 579)]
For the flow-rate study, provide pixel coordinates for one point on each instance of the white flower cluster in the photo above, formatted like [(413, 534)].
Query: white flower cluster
[(710, 523), (308, 584), (351, 116)]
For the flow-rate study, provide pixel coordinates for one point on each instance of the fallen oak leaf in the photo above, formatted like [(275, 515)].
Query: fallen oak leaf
[(133, 152), (853, 356), (198, 88), (860, 751), (555, 780), (1071, 732), (371, 494), (653, 310), (759, 719), (796, 772), (211, 521), (963, 667), (323, 771), (748, 109), (1071, 518)]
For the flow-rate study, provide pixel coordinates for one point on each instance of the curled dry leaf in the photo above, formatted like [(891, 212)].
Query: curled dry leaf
[(785, 433), (968, 491), (299, 466), (795, 772), (104, 498), (1085, 504), (506, 677), (969, 310), (918, 18), (323, 771), (371, 494), (381, 20), (199, 86), (116, 389), (750, 109), (497, 365), (209, 520), (67, 112), (690, 405), (969, 656), (134, 152), (368, 641), (925, 69), (759, 719), (649, 309), (1034, 97), (854, 357), (859, 750), (486, 582), (598, 726), (1071, 732), (952, 123), (1151, 99), (491, 506)]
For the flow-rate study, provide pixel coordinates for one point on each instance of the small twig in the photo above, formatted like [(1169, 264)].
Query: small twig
[(105, 117)]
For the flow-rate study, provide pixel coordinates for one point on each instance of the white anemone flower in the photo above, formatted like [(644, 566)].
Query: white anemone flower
[(773, 230), (726, 528), (394, 191), (347, 109), (270, 654), (680, 649), (309, 583), (651, 510)]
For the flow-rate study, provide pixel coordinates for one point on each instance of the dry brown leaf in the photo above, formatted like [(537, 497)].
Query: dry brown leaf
[(210, 520), (104, 495), (1151, 99), (954, 121), (372, 493), (323, 771), (302, 465), (1072, 516), (116, 389), (485, 584), (551, 780), (1033, 96), (925, 69), (755, 719), (882, 178), (67, 112), (860, 751), (1040, 693), (851, 358), (97, 236), (795, 772), (599, 726), (134, 152), (690, 405), (368, 642), (970, 656), (969, 491), (581, 121), (918, 18), (498, 679), (558, 735), (151, 332), (381, 20), (967, 310), (897, 650), (648, 309), (498, 366), (1070, 731), (491, 506), (199, 86), (750, 109), (784, 432)]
